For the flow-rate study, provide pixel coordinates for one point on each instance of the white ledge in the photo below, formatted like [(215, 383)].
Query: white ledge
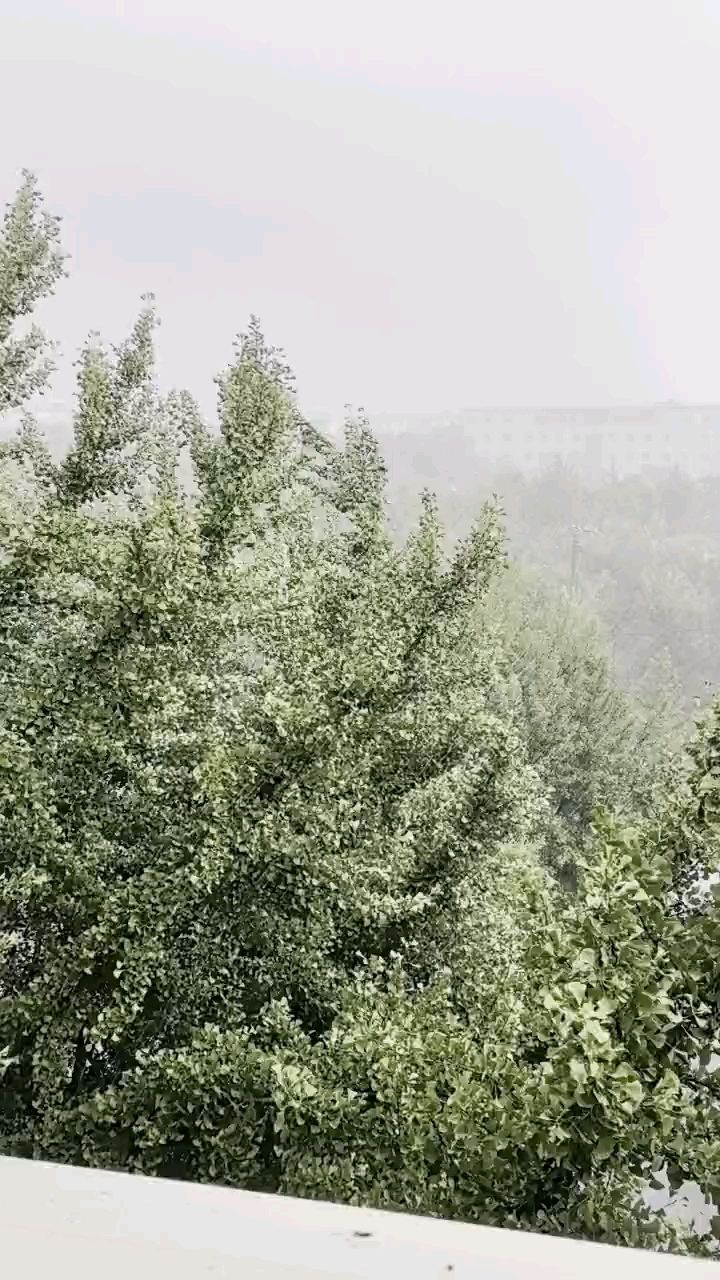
[(80, 1224)]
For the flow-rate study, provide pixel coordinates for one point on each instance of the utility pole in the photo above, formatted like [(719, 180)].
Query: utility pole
[(575, 550), (574, 558)]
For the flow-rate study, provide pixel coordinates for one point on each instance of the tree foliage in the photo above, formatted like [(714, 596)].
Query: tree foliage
[(270, 910), (593, 745), (31, 263)]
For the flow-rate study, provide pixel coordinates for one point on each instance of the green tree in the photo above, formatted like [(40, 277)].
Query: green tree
[(244, 752), (31, 264), (269, 909), (593, 745)]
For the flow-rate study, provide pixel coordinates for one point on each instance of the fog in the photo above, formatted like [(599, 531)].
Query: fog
[(509, 204)]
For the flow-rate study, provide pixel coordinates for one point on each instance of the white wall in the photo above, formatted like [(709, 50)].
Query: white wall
[(79, 1224)]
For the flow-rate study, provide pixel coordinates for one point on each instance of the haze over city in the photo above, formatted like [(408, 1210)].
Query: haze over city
[(515, 205)]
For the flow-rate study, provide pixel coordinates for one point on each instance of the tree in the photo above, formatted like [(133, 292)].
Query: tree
[(31, 264), (244, 754), (269, 910), (592, 744)]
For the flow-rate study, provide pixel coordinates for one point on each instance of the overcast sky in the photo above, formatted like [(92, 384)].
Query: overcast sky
[(430, 205)]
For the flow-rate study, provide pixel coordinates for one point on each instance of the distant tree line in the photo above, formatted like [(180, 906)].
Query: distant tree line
[(642, 552)]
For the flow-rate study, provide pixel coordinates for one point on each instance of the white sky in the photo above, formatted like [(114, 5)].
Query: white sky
[(429, 205)]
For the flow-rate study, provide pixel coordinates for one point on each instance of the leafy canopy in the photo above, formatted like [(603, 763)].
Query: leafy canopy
[(270, 912)]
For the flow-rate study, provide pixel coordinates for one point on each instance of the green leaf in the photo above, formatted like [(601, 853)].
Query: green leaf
[(578, 1071)]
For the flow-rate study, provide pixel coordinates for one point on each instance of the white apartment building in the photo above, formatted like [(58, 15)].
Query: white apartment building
[(621, 439)]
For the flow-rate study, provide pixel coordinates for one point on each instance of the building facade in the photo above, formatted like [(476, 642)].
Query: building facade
[(620, 440)]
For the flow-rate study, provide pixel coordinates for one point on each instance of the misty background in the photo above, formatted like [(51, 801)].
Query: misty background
[(492, 204)]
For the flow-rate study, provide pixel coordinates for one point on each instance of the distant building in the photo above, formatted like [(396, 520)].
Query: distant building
[(618, 439)]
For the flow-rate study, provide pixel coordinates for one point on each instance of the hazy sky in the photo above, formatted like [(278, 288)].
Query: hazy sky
[(429, 205)]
